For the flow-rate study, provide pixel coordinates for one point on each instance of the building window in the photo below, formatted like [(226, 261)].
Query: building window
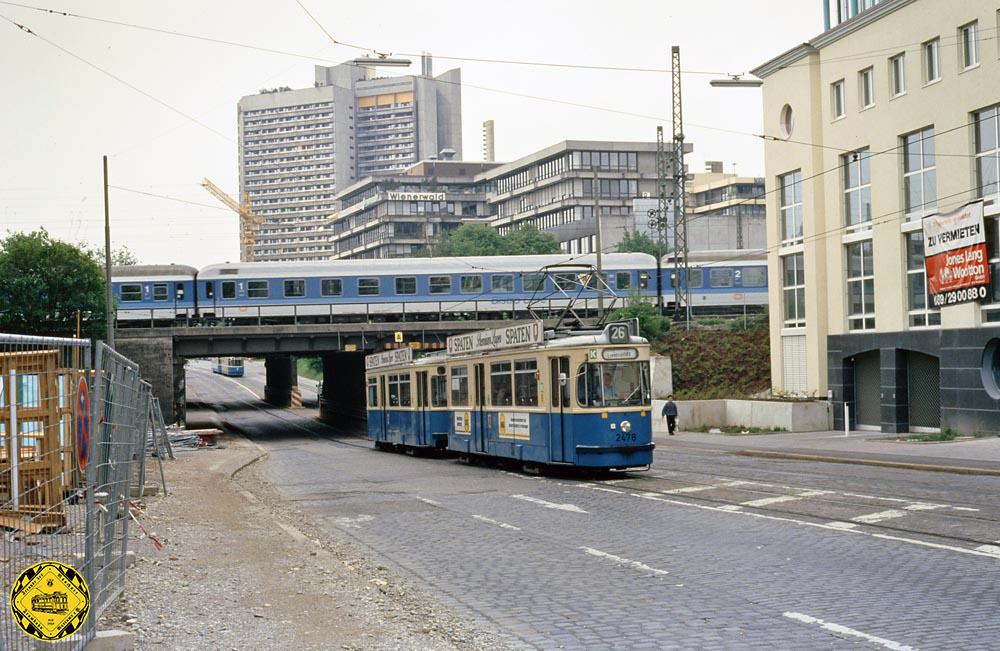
[(987, 151), (993, 256), (367, 286), (919, 173), (131, 293), (406, 285), (920, 311), (860, 286), (794, 290), (932, 60), (857, 189), (969, 40), (257, 289), (837, 98), (331, 287), (897, 75), (867, 82), (295, 288), (440, 284), (791, 207)]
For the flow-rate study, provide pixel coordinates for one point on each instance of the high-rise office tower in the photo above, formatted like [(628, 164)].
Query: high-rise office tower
[(299, 147)]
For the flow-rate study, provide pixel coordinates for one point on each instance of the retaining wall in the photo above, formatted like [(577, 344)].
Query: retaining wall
[(805, 416)]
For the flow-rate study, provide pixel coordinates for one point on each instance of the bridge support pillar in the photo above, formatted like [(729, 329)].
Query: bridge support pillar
[(282, 376), (159, 367), (343, 397)]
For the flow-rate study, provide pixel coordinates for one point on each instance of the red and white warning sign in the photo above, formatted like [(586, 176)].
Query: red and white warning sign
[(955, 256)]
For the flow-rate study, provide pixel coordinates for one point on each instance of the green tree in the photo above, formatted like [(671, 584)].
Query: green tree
[(480, 239), (120, 257), (652, 325), (43, 282), (636, 242)]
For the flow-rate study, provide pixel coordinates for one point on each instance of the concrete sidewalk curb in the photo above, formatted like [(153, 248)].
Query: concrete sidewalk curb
[(902, 465)]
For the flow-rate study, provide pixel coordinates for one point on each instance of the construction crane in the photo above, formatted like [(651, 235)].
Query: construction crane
[(248, 221)]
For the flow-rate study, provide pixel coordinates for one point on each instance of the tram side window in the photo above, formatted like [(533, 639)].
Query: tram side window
[(526, 383), (160, 292), (500, 384), (331, 287), (623, 280), (131, 293), (440, 284), (460, 386), (399, 390), (439, 390), (229, 289), (257, 289), (373, 392)]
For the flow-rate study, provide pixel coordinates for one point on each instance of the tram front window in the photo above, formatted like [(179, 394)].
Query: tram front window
[(613, 384)]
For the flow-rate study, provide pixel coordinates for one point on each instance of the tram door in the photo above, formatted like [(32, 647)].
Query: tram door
[(383, 430), (479, 415), (560, 402), (422, 415)]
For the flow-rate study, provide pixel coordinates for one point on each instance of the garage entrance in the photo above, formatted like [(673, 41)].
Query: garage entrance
[(924, 391), (868, 390)]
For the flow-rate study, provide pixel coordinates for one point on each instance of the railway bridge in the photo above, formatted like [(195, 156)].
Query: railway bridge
[(161, 353)]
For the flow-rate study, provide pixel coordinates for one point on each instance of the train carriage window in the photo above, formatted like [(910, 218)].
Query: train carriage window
[(565, 281), (500, 384), (367, 286), (460, 386), (160, 292), (720, 277), (229, 289), (471, 284), (257, 289), (643, 280), (502, 283), (295, 288), (696, 277), (754, 276), (331, 287), (533, 282), (526, 383), (406, 285), (439, 390), (373, 392), (179, 292), (399, 390), (209, 290), (440, 284), (131, 293), (623, 280)]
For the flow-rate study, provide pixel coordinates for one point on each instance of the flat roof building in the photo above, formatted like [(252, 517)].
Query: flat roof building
[(298, 148), (900, 138)]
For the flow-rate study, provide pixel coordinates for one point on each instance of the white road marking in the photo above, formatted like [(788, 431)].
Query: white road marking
[(965, 508), (872, 518), (502, 525), (549, 505), (844, 630), (688, 489), (730, 507), (243, 386), (352, 523), (764, 501), (814, 493), (924, 543), (624, 561), (594, 487), (429, 501), (993, 550), (923, 506), (521, 476), (836, 524)]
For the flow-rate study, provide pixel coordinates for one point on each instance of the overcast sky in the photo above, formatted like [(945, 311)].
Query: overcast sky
[(59, 114)]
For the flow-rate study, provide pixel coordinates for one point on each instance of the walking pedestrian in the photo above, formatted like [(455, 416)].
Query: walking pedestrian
[(670, 413)]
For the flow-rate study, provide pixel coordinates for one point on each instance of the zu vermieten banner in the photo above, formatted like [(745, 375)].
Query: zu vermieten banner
[(955, 256)]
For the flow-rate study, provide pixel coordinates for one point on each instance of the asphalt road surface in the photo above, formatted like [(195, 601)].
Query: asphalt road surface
[(707, 550)]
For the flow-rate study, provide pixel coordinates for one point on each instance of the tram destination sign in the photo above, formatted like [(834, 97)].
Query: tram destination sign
[(955, 256), (515, 336), (389, 358)]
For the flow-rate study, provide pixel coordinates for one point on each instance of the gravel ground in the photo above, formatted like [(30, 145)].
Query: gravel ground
[(242, 569)]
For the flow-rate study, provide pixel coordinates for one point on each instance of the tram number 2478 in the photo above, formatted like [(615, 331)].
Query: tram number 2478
[(960, 296), (625, 437)]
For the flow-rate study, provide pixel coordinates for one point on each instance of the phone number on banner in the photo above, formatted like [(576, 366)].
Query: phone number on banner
[(960, 296)]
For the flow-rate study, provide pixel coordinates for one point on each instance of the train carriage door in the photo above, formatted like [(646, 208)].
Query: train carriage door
[(422, 415), (560, 382), (478, 415)]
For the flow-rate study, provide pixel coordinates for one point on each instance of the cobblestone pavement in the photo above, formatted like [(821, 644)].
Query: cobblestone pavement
[(707, 550)]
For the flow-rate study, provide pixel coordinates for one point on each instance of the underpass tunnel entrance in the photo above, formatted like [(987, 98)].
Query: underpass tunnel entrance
[(343, 395), (281, 387)]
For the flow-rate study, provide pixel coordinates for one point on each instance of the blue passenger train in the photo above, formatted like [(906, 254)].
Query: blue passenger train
[(578, 399), (421, 288)]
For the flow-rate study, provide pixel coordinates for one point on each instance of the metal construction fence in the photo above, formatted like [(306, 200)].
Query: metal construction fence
[(73, 428)]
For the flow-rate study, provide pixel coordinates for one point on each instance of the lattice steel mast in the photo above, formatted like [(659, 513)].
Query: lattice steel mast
[(682, 297)]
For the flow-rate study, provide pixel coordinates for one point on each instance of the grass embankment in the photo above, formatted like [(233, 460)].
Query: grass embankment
[(718, 363), (311, 367)]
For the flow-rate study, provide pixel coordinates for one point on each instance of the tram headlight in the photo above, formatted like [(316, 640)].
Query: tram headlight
[(626, 426)]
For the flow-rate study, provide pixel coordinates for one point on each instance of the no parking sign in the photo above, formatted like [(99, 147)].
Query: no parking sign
[(83, 424)]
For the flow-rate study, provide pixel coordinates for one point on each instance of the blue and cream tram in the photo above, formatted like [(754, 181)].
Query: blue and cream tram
[(230, 366), (542, 398)]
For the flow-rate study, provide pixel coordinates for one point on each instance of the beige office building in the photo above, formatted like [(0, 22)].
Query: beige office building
[(886, 118)]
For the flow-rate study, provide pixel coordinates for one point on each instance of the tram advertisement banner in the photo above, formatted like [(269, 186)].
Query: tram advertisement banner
[(525, 334), (955, 256), (389, 358)]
